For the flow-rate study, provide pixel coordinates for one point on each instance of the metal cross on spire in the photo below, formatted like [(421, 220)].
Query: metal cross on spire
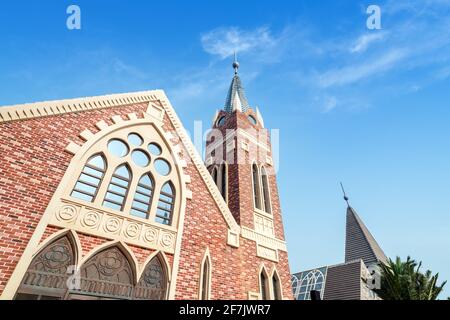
[(235, 63), (345, 195)]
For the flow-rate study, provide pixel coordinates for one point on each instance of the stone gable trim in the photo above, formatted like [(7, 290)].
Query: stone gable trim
[(57, 107)]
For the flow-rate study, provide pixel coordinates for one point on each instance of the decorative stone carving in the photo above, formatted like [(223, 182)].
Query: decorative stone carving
[(151, 235), (67, 213), (267, 253), (91, 219), (114, 225), (132, 230), (167, 240)]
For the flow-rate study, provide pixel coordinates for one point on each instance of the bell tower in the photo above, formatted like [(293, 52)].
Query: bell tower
[(239, 158)]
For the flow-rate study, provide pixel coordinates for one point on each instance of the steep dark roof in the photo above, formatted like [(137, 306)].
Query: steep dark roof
[(359, 242), (236, 99)]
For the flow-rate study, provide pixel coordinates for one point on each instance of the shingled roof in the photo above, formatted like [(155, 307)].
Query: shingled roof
[(359, 242)]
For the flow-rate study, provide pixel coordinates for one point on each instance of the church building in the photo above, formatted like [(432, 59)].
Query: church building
[(356, 278), (106, 197)]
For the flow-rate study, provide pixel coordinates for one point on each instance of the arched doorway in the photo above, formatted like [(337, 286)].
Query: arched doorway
[(48, 273), (108, 274)]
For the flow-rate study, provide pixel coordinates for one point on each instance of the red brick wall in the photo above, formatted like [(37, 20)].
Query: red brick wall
[(33, 163)]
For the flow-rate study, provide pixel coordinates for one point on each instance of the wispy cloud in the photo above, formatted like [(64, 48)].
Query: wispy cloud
[(364, 41), (350, 74), (223, 42)]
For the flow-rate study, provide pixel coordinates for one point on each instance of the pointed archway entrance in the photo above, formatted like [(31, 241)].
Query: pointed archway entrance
[(108, 274)]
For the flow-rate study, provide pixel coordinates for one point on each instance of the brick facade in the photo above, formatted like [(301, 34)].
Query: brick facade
[(34, 161)]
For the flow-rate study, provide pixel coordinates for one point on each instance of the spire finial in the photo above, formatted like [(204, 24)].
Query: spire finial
[(235, 63), (345, 195)]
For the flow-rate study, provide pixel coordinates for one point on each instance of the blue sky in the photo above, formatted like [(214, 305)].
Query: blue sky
[(370, 108)]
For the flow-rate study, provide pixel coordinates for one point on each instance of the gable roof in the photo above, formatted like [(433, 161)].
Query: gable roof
[(56, 107), (359, 242)]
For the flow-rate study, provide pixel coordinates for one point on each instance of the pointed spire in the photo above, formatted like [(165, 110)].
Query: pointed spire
[(359, 242), (236, 99)]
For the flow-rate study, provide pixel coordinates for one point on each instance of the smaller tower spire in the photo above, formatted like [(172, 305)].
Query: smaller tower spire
[(345, 195)]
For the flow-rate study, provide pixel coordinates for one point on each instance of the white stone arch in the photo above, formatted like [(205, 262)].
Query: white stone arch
[(264, 271), (123, 248), (73, 237), (276, 274), (165, 263)]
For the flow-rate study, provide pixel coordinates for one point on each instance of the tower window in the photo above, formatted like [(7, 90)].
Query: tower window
[(265, 190), (221, 121), (252, 120), (256, 186), (223, 182), (264, 286), (276, 287)]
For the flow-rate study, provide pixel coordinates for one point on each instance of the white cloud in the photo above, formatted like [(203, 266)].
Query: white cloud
[(351, 74), (364, 41), (224, 41)]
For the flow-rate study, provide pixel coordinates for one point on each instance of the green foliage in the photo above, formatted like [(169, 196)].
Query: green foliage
[(403, 280)]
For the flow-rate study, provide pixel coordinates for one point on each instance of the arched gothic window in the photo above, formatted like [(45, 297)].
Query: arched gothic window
[(223, 181), (107, 274), (312, 280), (143, 197), (214, 175), (47, 275), (90, 179), (256, 186), (153, 282), (118, 188), (276, 287), (205, 279), (129, 169), (165, 204), (264, 285), (265, 191)]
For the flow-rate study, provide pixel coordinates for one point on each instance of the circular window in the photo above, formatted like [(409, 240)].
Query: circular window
[(135, 139), (140, 158), (221, 121), (162, 167), (154, 149), (118, 148), (252, 120)]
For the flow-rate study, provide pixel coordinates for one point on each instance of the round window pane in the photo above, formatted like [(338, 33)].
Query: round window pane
[(154, 149), (162, 167), (118, 148), (140, 158), (135, 139)]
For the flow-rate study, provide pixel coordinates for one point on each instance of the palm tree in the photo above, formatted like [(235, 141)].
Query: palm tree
[(404, 281)]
